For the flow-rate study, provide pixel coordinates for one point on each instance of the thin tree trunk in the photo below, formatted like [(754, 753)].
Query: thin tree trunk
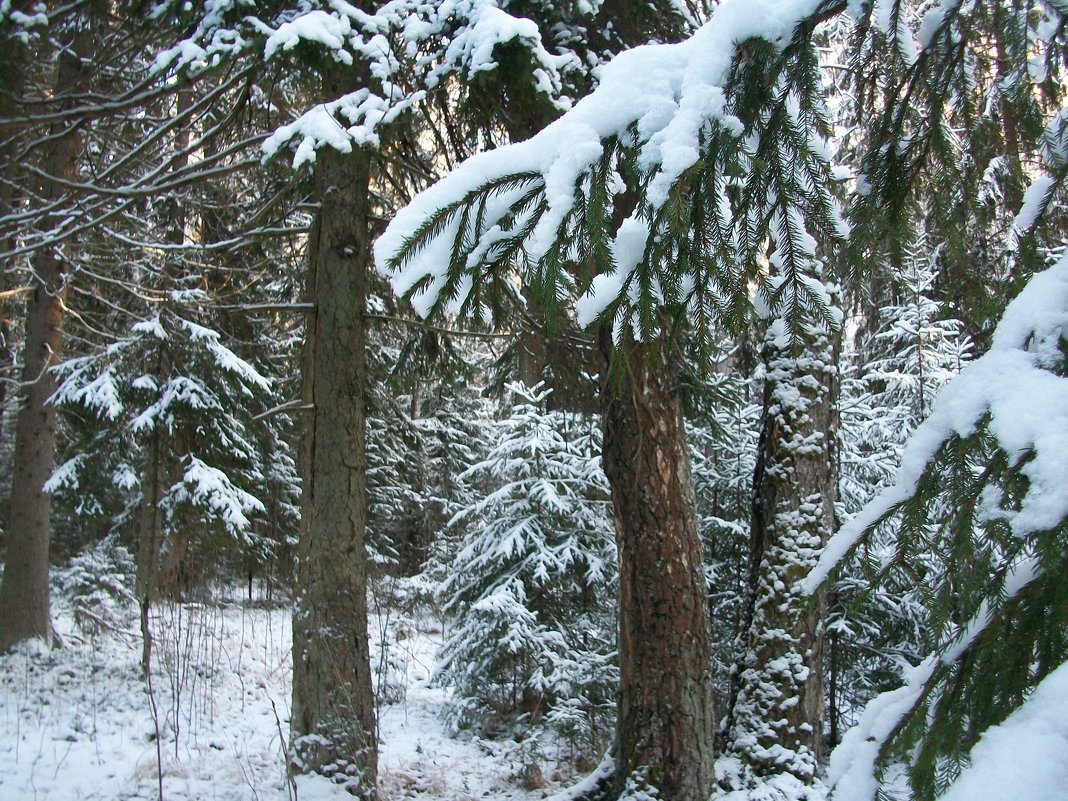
[(24, 598), (776, 721), (333, 721), (664, 730), (150, 539), (162, 463)]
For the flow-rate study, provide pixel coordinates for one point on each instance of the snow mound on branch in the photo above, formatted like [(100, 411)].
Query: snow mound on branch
[(664, 97)]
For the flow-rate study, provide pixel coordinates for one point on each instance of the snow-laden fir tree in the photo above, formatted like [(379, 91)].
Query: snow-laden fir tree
[(110, 171), (918, 348), (168, 404), (98, 583), (667, 183), (530, 590)]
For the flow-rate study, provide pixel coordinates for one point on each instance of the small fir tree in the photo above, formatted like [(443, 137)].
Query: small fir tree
[(530, 587), (169, 405)]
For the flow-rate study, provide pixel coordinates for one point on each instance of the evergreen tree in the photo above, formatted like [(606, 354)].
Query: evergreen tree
[(173, 393), (129, 220), (530, 587)]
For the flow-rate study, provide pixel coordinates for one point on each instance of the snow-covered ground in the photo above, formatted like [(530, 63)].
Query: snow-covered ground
[(77, 723)]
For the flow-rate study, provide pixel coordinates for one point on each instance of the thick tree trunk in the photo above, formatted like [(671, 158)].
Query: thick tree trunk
[(333, 721), (777, 710), (24, 599), (664, 731)]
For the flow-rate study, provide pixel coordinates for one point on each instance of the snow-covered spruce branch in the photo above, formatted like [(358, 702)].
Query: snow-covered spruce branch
[(980, 491), (1015, 388), (406, 48), (854, 770), (672, 122)]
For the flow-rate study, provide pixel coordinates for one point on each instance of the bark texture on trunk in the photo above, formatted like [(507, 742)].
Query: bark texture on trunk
[(333, 720), (24, 599), (13, 65), (777, 712), (664, 731), (149, 541)]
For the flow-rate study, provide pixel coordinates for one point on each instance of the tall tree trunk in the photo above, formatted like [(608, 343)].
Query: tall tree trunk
[(777, 704), (333, 721), (24, 599), (664, 730), (13, 66)]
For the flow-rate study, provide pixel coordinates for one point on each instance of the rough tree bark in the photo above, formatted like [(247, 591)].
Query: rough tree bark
[(13, 66), (776, 721), (333, 721), (24, 599), (664, 730)]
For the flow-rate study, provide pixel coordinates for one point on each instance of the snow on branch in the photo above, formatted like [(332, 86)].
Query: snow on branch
[(1017, 389), (853, 769), (407, 47), (662, 114), (211, 489)]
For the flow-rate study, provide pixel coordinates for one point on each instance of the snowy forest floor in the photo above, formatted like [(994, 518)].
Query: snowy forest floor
[(77, 722)]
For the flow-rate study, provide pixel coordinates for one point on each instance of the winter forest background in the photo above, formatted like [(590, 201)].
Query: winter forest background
[(513, 398)]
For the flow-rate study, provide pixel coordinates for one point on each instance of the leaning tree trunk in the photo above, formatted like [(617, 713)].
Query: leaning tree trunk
[(24, 598), (664, 730), (776, 721), (333, 721)]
